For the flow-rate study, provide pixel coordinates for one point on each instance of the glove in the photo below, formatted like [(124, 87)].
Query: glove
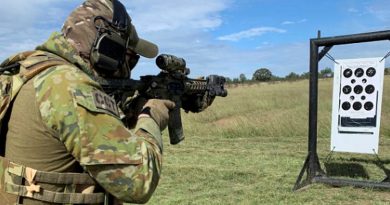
[(158, 110)]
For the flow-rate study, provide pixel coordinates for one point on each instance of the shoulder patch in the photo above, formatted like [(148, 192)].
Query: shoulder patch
[(105, 102), (96, 101)]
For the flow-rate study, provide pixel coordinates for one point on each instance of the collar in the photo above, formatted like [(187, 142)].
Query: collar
[(58, 45)]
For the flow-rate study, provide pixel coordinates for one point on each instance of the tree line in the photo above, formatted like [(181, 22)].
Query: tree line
[(265, 75)]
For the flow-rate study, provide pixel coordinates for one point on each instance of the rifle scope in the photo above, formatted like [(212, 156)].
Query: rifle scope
[(171, 63)]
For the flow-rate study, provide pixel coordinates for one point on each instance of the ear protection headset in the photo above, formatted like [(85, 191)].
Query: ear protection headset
[(108, 53)]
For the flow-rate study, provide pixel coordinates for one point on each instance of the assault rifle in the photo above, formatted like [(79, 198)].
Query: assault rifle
[(171, 83)]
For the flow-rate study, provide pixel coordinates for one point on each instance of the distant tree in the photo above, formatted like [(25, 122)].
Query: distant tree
[(305, 75), (276, 78), (292, 76), (326, 73), (387, 71), (228, 80), (262, 74), (236, 80), (243, 78)]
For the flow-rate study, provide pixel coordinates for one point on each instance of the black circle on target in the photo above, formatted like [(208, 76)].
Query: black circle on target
[(358, 89), (346, 105), (347, 89), (359, 72), (347, 73), (357, 106), (368, 106), (370, 89), (370, 72)]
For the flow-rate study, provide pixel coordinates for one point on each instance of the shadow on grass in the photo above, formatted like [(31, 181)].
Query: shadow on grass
[(352, 170), (382, 164), (355, 169)]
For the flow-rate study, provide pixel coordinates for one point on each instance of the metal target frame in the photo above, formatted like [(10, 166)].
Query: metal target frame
[(311, 166)]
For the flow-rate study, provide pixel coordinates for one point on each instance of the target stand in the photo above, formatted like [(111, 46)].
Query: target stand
[(344, 124)]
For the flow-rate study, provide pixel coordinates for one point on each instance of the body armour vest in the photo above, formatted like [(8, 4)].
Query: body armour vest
[(19, 183)]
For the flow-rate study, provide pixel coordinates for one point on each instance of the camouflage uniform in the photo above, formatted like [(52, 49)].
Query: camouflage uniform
[(61, 121)]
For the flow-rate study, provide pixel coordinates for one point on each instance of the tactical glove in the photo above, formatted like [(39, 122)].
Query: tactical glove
[(158, 110)]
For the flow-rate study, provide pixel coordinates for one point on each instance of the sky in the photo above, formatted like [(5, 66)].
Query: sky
[(225, 37)]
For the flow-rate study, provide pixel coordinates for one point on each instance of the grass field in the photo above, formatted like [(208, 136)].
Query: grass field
[(248, 148)]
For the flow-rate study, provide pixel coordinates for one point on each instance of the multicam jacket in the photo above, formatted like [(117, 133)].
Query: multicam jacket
[(62, 122)]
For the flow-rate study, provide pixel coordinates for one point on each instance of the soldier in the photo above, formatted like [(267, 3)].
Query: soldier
[(64, 138)]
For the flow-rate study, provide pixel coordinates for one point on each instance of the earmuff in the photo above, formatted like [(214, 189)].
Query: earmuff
[(108, 53)]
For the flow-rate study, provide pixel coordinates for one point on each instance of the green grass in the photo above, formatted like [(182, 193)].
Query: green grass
[(248, 148)]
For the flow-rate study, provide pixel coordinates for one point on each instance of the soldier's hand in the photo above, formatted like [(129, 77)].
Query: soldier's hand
[(158, 110)]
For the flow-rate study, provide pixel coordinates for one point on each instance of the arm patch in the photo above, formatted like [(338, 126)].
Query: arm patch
[(97, 101), (105, 102)]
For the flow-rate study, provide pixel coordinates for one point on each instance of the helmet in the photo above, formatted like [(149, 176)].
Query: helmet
[(103, 34)]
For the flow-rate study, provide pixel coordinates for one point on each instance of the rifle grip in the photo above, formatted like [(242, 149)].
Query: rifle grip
[(175, 126)]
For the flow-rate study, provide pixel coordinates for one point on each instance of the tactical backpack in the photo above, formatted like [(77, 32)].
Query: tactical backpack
[(18, 181)]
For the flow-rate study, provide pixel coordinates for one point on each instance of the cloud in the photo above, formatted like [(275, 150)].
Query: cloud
[(155, 15), (293, 22), (353, 10), (171, 24), (26, 24), (380, 10), (253, 32), (288, 22), (205, 59), (264, 44), (180, 27), (17, 14)]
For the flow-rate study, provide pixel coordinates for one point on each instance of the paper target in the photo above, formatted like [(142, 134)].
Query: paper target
[(357, 99)]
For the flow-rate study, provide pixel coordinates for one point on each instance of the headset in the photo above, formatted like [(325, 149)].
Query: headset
[(113, 39)]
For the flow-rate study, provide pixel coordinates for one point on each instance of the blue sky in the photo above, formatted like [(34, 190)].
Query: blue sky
[(226, 37)]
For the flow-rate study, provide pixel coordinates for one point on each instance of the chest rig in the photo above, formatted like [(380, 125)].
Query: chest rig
[(18, 181)]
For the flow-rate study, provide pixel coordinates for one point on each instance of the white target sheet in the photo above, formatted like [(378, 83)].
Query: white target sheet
[(356, 108)]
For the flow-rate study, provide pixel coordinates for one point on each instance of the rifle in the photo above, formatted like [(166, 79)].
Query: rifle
[(171, 83)]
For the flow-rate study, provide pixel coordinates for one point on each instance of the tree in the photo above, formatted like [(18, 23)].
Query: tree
[(305, 75), (292, 76), (228, 80), (387, 71), (276, 78), (326, 73), (262, 74), (243, 78)]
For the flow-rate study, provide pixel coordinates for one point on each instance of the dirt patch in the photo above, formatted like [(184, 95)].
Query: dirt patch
[(226, 122)]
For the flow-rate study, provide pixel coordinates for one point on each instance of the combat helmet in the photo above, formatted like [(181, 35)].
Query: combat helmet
[(104, 36)]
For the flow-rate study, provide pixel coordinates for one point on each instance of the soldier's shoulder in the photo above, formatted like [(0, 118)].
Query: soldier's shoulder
[(67, 72), (63, 77), (64, 84)]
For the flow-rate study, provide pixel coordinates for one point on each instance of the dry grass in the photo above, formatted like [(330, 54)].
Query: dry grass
[(248, 148)]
